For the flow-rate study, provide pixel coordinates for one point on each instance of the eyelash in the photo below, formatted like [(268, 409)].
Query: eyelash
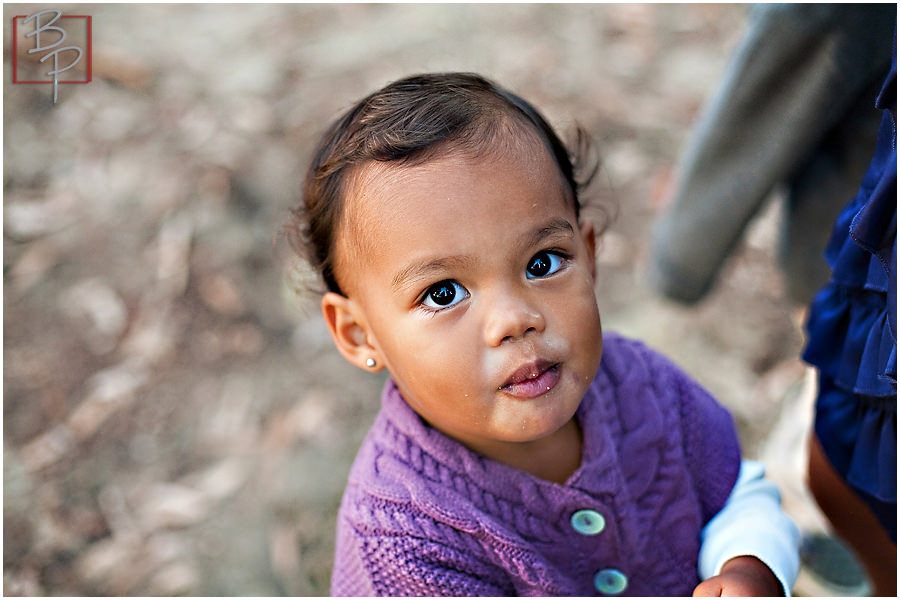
[(563, 256)]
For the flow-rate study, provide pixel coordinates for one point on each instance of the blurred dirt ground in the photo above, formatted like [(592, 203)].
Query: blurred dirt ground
[(176, 420)]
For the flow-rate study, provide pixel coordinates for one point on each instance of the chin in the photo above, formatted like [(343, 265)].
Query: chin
[(537, 431)]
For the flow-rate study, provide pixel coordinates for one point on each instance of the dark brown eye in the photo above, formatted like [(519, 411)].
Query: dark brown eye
[(542, 264), (444, 293)]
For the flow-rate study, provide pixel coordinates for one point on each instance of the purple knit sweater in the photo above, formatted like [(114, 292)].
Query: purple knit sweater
[(424, 516)]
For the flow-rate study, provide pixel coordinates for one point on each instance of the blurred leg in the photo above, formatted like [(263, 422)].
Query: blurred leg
[(853, 522)]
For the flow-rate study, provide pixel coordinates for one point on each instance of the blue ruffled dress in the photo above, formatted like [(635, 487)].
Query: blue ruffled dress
[(852, 330)]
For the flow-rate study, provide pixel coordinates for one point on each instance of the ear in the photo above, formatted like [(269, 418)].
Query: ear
[(350, 331), (590, 242)]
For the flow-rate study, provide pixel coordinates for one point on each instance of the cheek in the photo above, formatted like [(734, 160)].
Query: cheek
[(579, 301), (579, 317), (429, 355)]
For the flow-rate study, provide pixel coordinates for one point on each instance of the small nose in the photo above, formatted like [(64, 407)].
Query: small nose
[(510, 317)]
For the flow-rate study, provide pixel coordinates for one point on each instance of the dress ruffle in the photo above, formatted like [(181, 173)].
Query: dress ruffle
[(860, 439), (852, 331), (851, 342)]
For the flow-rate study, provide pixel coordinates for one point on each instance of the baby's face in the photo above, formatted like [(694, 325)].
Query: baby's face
[(476, 285)]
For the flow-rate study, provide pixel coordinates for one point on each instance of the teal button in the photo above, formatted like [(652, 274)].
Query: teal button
[(588, 522), (610, 582)]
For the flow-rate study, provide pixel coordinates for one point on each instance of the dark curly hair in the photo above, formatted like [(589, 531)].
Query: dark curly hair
[(409, 122)]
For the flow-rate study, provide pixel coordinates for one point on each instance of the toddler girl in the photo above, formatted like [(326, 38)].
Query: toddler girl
[(508, 458)]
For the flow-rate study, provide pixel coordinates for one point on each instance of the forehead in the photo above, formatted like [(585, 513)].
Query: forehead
[(447, 201)]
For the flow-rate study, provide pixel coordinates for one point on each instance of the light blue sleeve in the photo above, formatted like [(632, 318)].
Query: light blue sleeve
[(752, 524)]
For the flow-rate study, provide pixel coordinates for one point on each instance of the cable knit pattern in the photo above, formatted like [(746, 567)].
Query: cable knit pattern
[(424, 516)]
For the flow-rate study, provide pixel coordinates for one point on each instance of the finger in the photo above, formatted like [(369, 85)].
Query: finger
[(711, 588)]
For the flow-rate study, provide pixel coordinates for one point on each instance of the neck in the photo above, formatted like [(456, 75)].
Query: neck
[(553, 458)]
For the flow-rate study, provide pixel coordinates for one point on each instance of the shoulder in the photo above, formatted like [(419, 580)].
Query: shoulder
[(410, 480), (407, 523), (625, 357), (643, 384), (630, 367), (655, 399), (407, 464)]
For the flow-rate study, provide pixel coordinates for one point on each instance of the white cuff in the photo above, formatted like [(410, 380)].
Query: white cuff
[(752, 524)]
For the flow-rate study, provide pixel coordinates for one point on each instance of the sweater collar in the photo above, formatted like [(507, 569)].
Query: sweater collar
[(414, 437)]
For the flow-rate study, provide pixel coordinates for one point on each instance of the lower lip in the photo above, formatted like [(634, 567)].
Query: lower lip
[(532, 388)]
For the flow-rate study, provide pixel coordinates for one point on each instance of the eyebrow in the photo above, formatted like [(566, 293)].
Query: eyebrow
[(410, 274), (556, 227), (431, 269)]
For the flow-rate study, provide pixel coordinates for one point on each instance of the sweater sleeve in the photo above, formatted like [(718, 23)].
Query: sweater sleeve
[(711, 445)]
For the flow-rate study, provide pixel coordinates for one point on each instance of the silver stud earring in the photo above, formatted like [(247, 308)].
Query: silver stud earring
[(370, 362)]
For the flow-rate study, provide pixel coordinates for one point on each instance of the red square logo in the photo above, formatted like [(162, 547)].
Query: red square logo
[(49, 47)]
